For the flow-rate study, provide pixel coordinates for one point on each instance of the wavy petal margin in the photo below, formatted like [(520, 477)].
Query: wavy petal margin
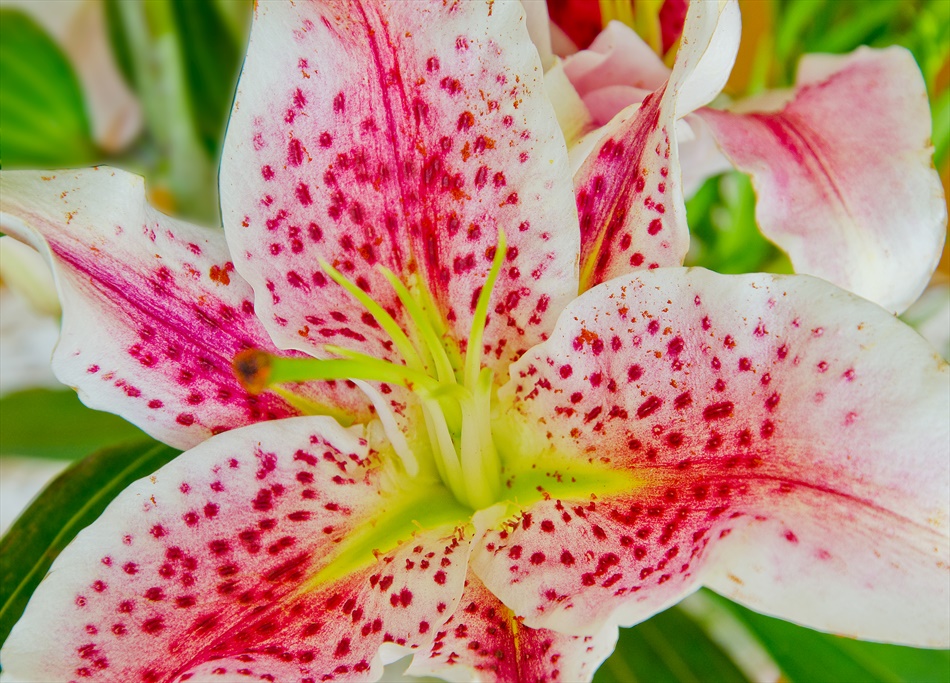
[(629, 188), (844, 173), (404, 135), (229, 558), (791, 446), (153, 312)]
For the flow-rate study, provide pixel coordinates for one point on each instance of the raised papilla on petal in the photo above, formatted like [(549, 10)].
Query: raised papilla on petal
[(844, 172), (277, 546), (786, 444), (153, 312), (403, 135), (629, 187)]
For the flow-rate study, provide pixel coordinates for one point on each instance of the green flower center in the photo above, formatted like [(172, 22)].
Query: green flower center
[(454, 392)]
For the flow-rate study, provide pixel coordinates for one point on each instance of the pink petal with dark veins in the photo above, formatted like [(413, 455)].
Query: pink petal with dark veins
[(629, 187), (791, 445), (153, 312), (403, 135), (215, 561), (483, 641), (844, 173)]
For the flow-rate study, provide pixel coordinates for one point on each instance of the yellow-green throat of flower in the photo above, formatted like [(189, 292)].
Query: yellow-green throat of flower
[(454, 393)]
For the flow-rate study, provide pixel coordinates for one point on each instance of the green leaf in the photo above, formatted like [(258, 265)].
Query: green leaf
[(805, 655), (211, 57), (668, 647), (43, 120), (70, 503), (941, 127), (792, 23), (49, 423), (119, 42), (725, 236), (860, 25)]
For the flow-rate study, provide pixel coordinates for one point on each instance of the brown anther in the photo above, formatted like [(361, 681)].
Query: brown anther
[(253, 369)]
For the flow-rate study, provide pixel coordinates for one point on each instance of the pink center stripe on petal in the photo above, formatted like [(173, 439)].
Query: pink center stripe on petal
[(765, 429), (484, 640), (368, 141), (154, 312), (844, 173), (225, 559)]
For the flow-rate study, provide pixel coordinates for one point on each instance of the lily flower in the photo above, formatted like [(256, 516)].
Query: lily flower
[(436, 445), (819, 156)]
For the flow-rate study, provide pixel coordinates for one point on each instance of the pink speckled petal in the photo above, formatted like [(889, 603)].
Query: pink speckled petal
[(252, 666), (484, 642), (629, 188), (222, 554), (844, 173), (405, 135), (788, 444), (153, 312)]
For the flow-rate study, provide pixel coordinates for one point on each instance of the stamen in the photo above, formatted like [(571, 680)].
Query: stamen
[(308, 406), (258, 371), (474, 445), (412, 379), (473, 352), (446, 458), (390, 326), (253, 369), (430, 337), (479, 458), (482, 402), (454, 393), (396, 438)]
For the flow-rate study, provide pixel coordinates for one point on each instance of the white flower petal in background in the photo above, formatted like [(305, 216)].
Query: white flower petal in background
[(29, 328), (23, 270), (20, 480), (29, 319), (27, 339)]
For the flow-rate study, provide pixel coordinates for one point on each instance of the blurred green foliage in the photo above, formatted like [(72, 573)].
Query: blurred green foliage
[(723, 233), (838, 26), (669, 648), (804, 655), (181, 58), (43, 120), (49, 423)]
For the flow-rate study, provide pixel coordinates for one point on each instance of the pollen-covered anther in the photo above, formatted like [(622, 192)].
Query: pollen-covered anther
[(253, 369)]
